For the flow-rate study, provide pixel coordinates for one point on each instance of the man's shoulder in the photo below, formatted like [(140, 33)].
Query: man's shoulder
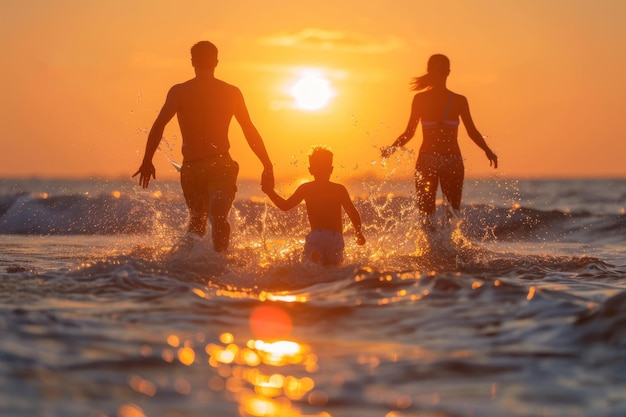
[(227, 86), (180, 87), (184, 83), (219, 88), (193, 82)]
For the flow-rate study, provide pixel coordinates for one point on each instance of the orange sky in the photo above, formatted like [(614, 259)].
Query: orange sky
[(83, 81)]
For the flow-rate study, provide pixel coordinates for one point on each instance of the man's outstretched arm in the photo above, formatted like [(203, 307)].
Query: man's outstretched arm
[(147, 170), (255, 141)]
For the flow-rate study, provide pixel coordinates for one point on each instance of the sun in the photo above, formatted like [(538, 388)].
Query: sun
[(312, 92)]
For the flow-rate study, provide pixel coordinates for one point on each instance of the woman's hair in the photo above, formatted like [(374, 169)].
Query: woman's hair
[(438, 66)]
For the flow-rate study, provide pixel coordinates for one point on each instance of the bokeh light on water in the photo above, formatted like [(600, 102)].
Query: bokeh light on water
[(266, 378), (267, 375)]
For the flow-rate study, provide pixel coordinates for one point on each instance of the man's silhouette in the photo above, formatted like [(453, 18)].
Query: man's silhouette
[(204, 107)]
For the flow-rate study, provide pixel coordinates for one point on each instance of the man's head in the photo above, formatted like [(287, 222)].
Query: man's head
[(204, 55), (321, 162)]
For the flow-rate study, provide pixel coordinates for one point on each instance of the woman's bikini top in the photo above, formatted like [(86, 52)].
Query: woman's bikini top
[(440, 137), (443, 122), (451, 123)]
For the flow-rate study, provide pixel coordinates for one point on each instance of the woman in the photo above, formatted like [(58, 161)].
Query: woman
[(439, 160)]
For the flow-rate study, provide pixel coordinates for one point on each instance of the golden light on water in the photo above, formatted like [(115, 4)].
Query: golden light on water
[(264, 378), (279, 353), (259, 406), (218, 354), (167, 355), (199, 293), (142, 385), (227, 338), (173, 340), (270, 322), (130, 410), (186, 355), (286, 298), (281, 348), (252, 372), (251, 357)]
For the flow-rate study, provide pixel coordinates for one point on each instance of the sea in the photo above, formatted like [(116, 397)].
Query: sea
[(515, 307)]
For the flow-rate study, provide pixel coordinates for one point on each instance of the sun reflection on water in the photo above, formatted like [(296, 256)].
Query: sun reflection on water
[(252, 372), (266, 377)]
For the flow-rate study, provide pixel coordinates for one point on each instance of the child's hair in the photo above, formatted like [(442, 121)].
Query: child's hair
[(321, 156)]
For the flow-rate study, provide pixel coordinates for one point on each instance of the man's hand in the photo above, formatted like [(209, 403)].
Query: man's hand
[(146, 170)]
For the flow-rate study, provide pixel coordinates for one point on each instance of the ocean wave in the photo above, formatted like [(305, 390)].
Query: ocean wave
[(23, 213), (106, 214)]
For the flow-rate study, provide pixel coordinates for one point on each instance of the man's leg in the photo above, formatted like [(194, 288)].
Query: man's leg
[(219, 207), (194, 184), (197, 219), (222, 186)]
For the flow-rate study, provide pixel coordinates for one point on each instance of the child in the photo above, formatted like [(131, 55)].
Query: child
[(324, 200)]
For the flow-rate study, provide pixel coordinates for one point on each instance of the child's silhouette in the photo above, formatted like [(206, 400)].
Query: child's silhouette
[(324, 200)]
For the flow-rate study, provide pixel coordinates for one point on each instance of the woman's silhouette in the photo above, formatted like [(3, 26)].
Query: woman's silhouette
[(439, 160)]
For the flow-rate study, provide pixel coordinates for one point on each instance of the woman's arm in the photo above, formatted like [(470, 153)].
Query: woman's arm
[(474, 134), (408, 133)]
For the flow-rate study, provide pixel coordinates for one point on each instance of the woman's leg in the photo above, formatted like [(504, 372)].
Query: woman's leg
[(452, 182), (426, 183)]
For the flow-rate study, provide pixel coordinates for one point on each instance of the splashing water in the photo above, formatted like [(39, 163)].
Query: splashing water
[(177, 165), (515, 308)]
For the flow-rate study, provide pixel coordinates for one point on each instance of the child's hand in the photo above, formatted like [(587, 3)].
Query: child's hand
[(360, 239)]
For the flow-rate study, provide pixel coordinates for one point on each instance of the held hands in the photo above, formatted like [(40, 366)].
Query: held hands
[(267, 180), (146, 170), (493, 158)]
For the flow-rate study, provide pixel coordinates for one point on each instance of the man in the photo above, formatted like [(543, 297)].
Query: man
[(204, 107)]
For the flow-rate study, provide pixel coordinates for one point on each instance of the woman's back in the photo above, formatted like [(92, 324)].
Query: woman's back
[(439, 115), (439, 161)]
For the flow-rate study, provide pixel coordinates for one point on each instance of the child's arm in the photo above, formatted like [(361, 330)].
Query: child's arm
[(354, 216), (283, 204)]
